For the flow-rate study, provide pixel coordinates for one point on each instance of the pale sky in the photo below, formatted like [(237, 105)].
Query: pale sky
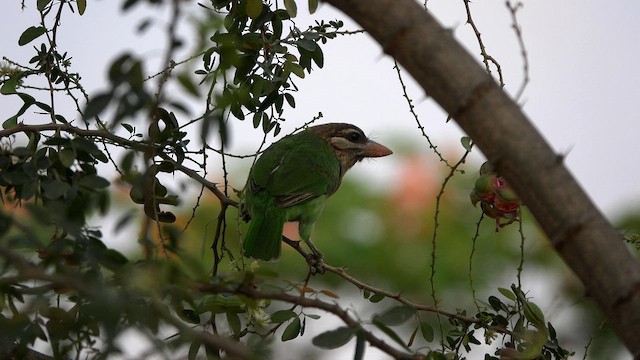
[(583, 93)]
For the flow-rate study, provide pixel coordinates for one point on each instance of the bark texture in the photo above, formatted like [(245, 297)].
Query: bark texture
[(447, 72)]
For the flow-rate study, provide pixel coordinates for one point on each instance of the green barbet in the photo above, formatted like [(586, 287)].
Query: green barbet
[(293, 178)]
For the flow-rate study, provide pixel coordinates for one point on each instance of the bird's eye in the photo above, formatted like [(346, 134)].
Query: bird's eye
[(354, 137)]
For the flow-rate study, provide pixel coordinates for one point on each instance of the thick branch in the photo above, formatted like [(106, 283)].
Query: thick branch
[(578, 231)]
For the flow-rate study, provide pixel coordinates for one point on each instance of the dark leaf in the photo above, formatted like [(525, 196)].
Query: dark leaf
[(94, 182), (254, 8), (395, 316), (282, 316), (42, 4), (334, 338), (360, 346), (377, 297), (313, 6), (392, 334), (82, 6), (291, 7), (190, 316), (31, 34), (234, 323), (193, 350), (292, 330), (427, 331), (96, 105)]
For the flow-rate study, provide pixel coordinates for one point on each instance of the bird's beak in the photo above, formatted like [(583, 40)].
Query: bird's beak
[(373, 149)]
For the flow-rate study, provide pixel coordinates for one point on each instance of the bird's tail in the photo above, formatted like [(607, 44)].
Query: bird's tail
[(263, 238)]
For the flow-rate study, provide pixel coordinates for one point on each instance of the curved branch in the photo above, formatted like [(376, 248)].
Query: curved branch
[(317, 304), (449, 74)]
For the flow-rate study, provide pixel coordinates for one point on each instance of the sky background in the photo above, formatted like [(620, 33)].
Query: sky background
[(583, 93)]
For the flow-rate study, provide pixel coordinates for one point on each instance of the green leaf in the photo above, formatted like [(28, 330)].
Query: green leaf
[(96, 105), (467, 144), (55, 189), (254, 8), (291, 7), (334, 339), (82, 6), (390, 333), (185, 80), (361, 343), (190, 316), (292, 330), (318, 57), (193, 350), (9, 86), (376, 298), (307, 44), (94, 182), (427, 331), (282, 316), (395, 316), (67, 156), (42, 4), (313, 6), (31, 34), (294, 68), (507, 293), (234, 322)]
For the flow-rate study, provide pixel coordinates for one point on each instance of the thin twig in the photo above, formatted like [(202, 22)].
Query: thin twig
[(513, 9)]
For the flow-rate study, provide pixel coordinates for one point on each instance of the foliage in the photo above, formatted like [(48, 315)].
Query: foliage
[(80, 297)]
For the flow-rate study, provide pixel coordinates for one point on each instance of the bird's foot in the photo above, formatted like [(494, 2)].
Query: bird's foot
[(316, 263)]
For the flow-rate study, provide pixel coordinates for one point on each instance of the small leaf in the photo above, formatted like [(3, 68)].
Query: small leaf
[(330, 293), (254, 8), (193, 350), (507, 293), (413, 336), (291, 7), (282, 316), (376, 298), (313, 6), (292, 330), (360, 346), (190, 316), (307, 44), (495, 303), (42, 4), (55, 189), (395, 316), (9, 86), (96, 105), (31, 34), (234, 323), (467, 144), (67, 157), (392, 334), (94, 182), (334, 339), (427, 331), (82, 6)]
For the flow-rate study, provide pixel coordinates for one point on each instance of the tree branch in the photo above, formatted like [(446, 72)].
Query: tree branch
[(317, 304), (518, 152)]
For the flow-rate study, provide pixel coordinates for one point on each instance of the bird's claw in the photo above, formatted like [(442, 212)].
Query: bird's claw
[(315, 261)]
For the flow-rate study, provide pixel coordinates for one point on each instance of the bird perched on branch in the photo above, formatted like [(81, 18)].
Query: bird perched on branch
[(292, 179)]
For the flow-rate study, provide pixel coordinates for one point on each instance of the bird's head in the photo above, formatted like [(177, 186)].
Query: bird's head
[(349, 143)]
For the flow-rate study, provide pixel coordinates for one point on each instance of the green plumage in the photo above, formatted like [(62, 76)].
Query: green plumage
[(289, 182)]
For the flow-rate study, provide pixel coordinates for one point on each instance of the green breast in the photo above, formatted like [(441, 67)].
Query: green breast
[(295, 170)]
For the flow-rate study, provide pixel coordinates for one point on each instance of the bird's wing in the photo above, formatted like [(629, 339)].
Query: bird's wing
[(296, 169)]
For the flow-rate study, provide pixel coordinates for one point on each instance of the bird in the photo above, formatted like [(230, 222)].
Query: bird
[(292, 179)]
